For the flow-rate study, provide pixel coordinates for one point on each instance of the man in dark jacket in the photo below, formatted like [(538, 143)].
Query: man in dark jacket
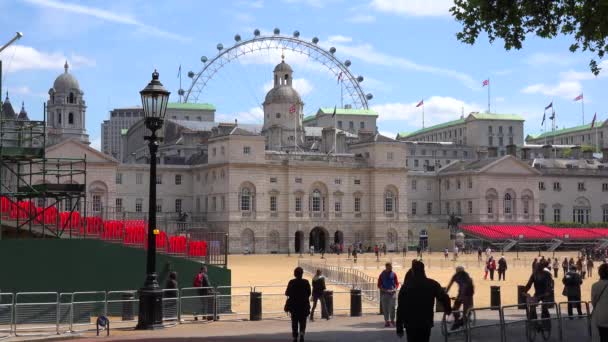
[(318, 287), (502, 268), (572, 289), (416, 304), (298, 303), (543, 289)]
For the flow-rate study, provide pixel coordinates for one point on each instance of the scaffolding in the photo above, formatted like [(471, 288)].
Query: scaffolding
[(32, 186)]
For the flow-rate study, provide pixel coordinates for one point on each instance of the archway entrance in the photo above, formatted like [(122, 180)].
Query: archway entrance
[(338, 237), (318, 239), (299, 242), (424, 239)]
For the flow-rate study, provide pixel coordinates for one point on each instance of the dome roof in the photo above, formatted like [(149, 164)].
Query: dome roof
[(283, 94), (283, 67), (65, 81)]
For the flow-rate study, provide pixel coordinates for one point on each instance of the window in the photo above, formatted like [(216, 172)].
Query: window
[(510, 140), (470, 182), (389, 155), (71, 98), (316, 201), (58, 117), (71, 118), (605, 215), (139, 204), (361, 125), (223, 150), (214, 151), (351, 125), (118, 178), (526, 203), (490, 129), (557, 212), (178, 205), (470, 207), (298, 204), (541, 185), (278, 115), (118, 205), (500, 142), (414, 208), (581, 186), (337, 206), (415, 162), (273, 179), (340, 124), (423, 152), (357, 182), (178, 179), (139, 178), (273, 203), (455, 154), (508, 204), (357, 204), (159, 205), (246, 150), (458, 208), (447, 207), (245, 199), (490, 207), (490, 141), (580, 215), (458, 184), (429, 185), (96, 203), (499, 129), (389, 201), (206, 203), (447, 184), (198, 204), (541, 214), (510, 129), (298, 180), (429, 208), (337, 181), (159, 179), (414, 184), (222, 203), (604, 186), (556, 186)]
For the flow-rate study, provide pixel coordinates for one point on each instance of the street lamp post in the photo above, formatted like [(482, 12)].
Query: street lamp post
[(154, 98)]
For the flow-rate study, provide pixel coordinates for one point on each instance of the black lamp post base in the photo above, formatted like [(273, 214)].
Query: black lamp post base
[(150, 309)]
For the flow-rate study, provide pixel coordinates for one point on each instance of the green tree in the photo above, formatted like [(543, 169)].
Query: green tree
[(512, 20)]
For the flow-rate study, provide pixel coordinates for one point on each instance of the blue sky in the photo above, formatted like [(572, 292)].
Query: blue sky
[(405, 49)]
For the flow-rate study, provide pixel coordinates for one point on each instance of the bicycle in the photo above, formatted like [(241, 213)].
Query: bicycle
[(448, 321), (536, 325)]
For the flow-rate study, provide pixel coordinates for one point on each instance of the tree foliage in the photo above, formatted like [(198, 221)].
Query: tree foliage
[(586, 21)]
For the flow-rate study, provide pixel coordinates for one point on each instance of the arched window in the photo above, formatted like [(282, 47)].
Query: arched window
[(245, 199), (58, 117), (71, 98), (508, 204), (389, 201), (71, 118), (316, 201)]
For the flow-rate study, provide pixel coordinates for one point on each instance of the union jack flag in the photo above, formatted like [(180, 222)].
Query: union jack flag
[(486, 83), (292, 109)]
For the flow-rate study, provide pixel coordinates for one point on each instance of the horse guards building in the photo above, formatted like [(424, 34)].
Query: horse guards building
[(330, 178)]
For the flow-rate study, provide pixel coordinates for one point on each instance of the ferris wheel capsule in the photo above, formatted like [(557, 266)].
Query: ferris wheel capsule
[(332, 50), (190, 74), (315, 40), (256, 32), (277, 31), (237, 38), (347, 63), (220, 47), (296, 34), (359, 79), (369, 96), (181, 92), (204, 59)]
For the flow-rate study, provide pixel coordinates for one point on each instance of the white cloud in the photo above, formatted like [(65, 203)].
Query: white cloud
[(272, 56), (369, 54), (28, 58), (312, 3), (19, 90), (254, 115), (120, 18), (361, 18), (437, 109), (565, 89), (339, 39), (301, 85), (417, 8), (96, 143)]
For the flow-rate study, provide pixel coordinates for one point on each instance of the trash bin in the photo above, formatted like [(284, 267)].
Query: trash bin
[(355, 303), (329, 302), (521, 297), (255, 306), (128, 301), (495, 297), (438, 305)]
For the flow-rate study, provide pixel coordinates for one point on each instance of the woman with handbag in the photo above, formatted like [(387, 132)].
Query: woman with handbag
[(599, 299), (298, 303)]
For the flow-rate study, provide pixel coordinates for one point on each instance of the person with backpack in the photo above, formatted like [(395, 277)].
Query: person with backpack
[(318, 287), (388, 283), (202, 280)]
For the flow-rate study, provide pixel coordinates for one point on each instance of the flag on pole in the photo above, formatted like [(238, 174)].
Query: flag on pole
[(179, 71), (421, 103), (292, 109), (339, 77), (550, 105), (593, 121), (486, 83), (552, 116), (334, 114), (578, 98), (542, 123)]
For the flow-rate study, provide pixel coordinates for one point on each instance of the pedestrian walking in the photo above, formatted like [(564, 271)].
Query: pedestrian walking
[(388, 283), (572, 290), (445, 254), (350, 252), (318, 289), (590, 267), (418, 251), (355, 256), (377, 252), (479, 253), (298, 303), (502, 267), (416, 304), (171, 295), (565, 265), (579, 268), (492, 267), (384, 249), (404, 251), (202, 280), (555, 267), (599, 299)]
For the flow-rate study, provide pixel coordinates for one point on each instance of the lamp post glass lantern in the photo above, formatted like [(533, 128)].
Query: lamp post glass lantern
[(154, 99)]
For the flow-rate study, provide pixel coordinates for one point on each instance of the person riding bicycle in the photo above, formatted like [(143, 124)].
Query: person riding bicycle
[(466, 290), (543, 289)]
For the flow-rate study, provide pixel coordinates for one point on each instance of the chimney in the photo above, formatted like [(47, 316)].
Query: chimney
[(328, 139), (525, 153), (492, 152), (512, 150), (576, 152), (604, 154), (547, 151)]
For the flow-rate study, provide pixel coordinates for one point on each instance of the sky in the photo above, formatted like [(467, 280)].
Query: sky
[(406, 51)]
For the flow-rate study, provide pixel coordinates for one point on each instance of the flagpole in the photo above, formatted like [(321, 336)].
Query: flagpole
[(295, 129), (583, 107), (489, 85), (545, 124), (422, 112), (341, 94), (180, 83)]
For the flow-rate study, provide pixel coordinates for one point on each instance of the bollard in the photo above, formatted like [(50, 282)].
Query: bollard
[(329, 303), (255, 306), (495, 297), (438, 305), (127, 306), (521, 297), (355, 303)]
